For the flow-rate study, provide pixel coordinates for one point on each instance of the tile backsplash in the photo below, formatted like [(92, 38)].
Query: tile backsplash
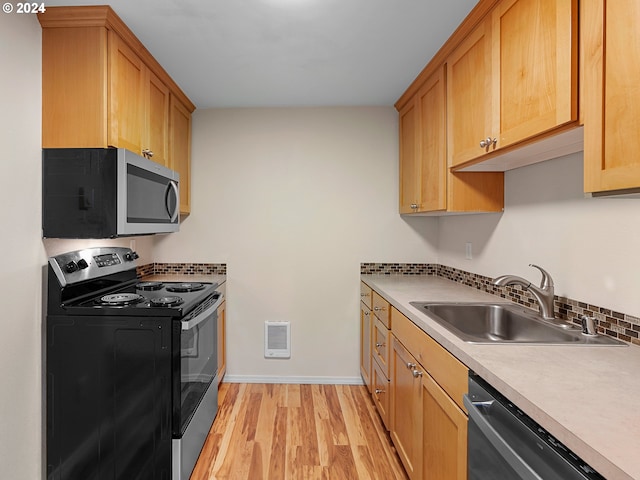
[(608, 322), (182, 269)]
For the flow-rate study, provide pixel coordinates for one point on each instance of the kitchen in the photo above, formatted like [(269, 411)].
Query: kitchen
[(293, 221)]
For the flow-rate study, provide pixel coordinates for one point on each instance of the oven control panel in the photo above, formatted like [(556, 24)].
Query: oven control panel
[(107, 260), (90, 263)]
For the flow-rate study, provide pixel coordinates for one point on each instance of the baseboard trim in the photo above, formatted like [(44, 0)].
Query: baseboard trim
[(293, 380)]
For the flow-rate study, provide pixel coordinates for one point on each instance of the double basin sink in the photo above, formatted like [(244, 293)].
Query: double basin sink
[(498, 323)]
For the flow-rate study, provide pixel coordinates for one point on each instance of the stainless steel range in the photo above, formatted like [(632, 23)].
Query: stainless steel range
[(131, 369)]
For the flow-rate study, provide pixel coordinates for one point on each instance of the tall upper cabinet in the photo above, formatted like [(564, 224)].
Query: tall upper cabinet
[(102, 88), (513, 78), (611, 54)]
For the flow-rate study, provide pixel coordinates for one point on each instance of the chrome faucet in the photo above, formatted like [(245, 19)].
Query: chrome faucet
[(543, 294)]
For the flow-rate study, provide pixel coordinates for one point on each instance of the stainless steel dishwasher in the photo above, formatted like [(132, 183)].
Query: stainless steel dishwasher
[(505, 444)]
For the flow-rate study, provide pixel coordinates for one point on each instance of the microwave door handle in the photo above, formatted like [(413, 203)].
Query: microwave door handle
[(176, 211)]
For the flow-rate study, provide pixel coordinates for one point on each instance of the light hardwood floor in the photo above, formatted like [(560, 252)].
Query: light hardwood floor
[(297, 432)]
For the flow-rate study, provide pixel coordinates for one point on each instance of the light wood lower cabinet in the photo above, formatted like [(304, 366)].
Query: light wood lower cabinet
[(380, 392), (427, 427), (406, 409), (444, 434), (222, 343), (366, 322)]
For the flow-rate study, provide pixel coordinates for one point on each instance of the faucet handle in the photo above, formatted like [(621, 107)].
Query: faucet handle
[(547, 281)]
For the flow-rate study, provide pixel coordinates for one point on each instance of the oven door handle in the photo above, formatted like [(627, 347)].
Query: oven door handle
[(189, 324), (514, 460)]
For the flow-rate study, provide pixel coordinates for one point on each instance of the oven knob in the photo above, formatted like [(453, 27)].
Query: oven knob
[(71, 267), (130, 257), (82, 264)]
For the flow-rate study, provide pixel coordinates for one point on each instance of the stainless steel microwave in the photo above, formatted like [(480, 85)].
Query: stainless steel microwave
[(106, 193)]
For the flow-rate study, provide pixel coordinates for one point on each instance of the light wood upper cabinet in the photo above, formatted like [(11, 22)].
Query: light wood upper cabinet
[(101, 88), (422, 149), (513, 78), (469, 95), (611, 42), (426, 184), (126, 95), (180, 150)]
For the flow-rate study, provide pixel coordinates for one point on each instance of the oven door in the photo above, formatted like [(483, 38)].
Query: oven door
[(195, 389)]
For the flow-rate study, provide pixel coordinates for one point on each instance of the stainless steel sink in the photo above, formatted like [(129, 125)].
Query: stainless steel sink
[(506, 323)]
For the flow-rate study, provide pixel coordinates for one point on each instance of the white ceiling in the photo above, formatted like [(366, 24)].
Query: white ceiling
[(248, 53)]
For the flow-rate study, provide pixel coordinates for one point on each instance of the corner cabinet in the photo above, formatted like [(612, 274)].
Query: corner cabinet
[(514, 77), (102, 88), (611, 52), (426, 184)]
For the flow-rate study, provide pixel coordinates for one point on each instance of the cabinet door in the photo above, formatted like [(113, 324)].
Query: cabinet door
[(365, 344), (535, 66), (380, 393), (444, 435), (470, 115), (180, 150), (432, 151), (380, 345), (409, 158), (611, 40), (406, 409), (126, 96), (157, 119), (222, 343)]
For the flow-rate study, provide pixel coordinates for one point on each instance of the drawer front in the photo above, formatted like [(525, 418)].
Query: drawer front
[(365, 295), (450, 373), (381, 347), (381, 309), (380, 393)]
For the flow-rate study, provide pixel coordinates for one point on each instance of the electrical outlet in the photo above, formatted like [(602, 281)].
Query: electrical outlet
[(468, 254)]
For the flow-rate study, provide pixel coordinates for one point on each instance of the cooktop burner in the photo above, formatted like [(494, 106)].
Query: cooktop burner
[(166, 301), (184, 287), (149, 286), (120, 299)]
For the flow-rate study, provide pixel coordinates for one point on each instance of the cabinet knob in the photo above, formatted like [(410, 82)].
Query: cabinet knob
[(379, 391), (364, 294), (416, 373), (378, 345), (414, 206), (366, 313), (487, 142), (378, 309), (411, 365), (147, 153)]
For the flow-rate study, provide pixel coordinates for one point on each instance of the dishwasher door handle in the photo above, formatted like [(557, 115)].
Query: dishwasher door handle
[(514, 460)]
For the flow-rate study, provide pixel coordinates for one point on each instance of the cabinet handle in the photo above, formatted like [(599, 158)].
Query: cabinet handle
[(378, 309), (487, 142), (416, 373), (379, 391), (378, 345), (147, 153), (411, 365)]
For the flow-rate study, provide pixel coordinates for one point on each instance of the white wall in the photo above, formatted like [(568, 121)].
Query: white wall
[(293, 200), (588, 245), (22, 251)]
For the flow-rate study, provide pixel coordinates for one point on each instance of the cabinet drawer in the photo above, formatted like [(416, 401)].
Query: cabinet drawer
[(447, 370), (381, 309), (380, 392), (365, 294), (381, 346)]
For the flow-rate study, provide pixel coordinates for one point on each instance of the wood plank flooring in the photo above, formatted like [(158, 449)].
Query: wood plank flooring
[(297, 432)]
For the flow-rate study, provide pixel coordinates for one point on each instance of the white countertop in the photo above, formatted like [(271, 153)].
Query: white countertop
[(587, 397)]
